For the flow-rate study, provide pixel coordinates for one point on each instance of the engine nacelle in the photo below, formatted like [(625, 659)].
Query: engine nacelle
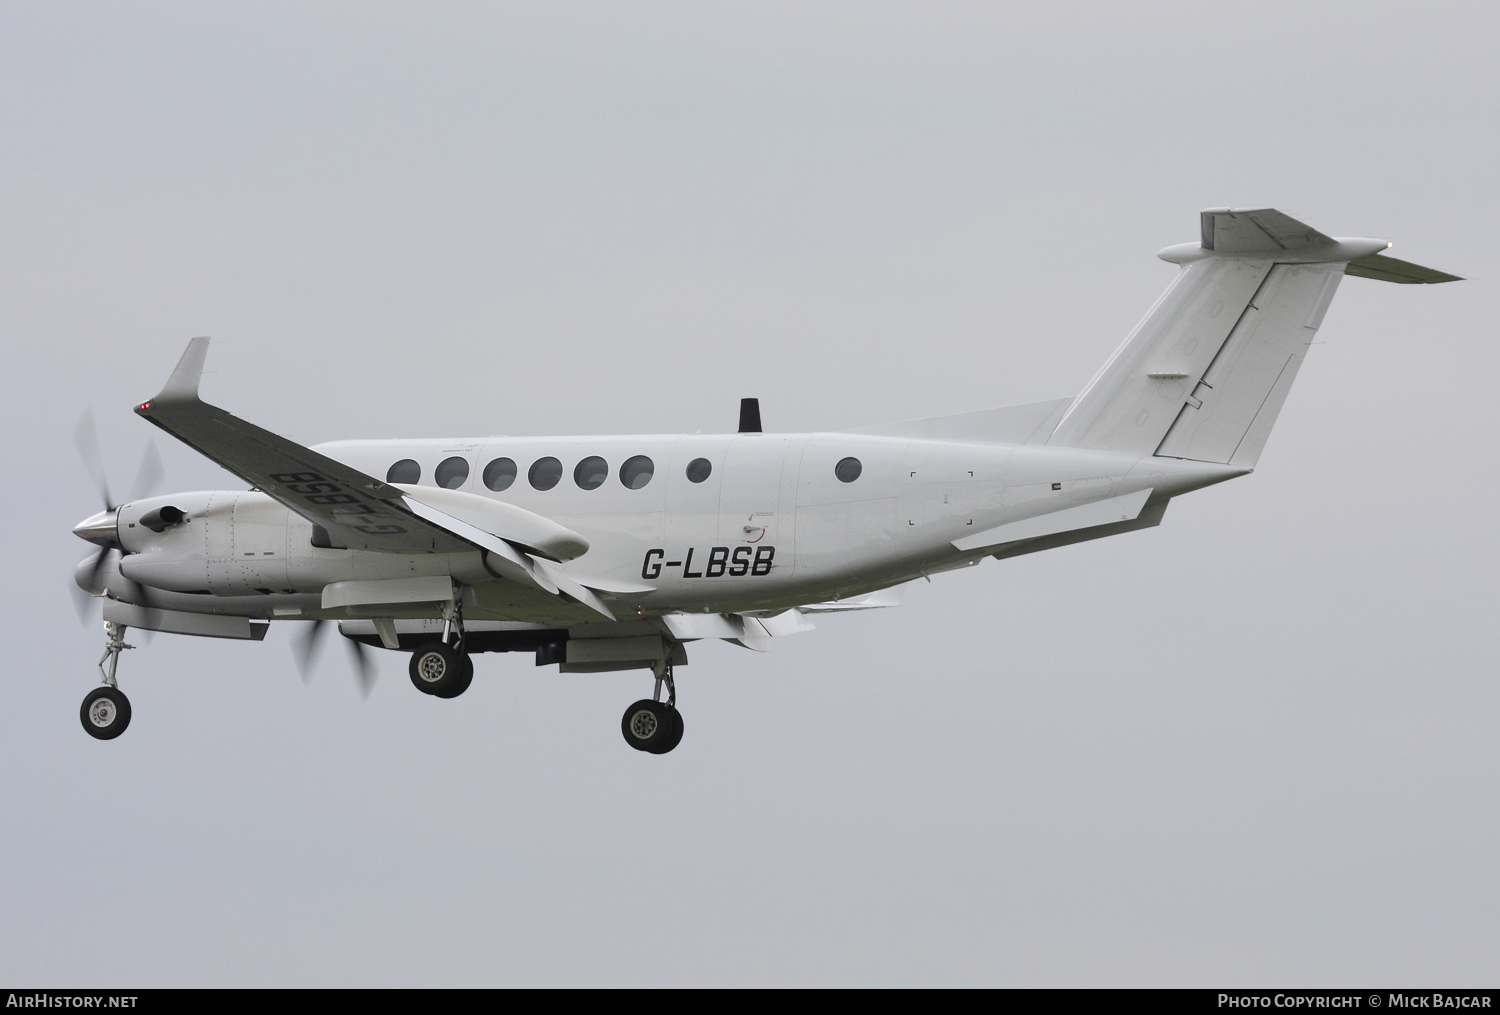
[(240, 543)]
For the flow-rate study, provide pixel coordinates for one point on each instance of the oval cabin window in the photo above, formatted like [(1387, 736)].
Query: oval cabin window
[(699, 469), (848, 470), (405, 471), (545, 473), (591, 473), (499, 474), (637, 472), (452, 473)]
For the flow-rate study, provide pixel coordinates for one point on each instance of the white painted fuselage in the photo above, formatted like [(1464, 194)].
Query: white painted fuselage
[(771, 526)]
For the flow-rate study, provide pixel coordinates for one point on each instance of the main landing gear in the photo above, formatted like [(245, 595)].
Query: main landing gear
[(443, 668), (106, 710), (653, 725)]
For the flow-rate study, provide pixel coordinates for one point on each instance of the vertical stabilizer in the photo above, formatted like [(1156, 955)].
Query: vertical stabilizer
[(1205, 373), (1132, 401)]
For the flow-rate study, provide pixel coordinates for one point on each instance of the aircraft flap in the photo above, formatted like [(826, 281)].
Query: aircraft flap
[(388, 591)]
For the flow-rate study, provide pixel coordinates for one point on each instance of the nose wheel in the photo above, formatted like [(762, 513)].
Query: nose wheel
[(106, 711), (653, 725)]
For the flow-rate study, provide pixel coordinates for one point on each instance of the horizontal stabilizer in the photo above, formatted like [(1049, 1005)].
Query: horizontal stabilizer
[(1389, 269), (1257, 230)]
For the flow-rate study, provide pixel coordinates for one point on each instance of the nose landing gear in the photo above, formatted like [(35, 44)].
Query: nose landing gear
[(106, 711), (653, 725)]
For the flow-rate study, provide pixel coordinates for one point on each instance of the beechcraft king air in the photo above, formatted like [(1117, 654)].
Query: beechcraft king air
[(613, 553)]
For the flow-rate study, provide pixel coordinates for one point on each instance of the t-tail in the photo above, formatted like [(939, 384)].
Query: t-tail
[(1205, 373)]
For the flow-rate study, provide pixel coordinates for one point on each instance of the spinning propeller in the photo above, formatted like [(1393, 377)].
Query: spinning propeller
[(305, 647), (101, 528)]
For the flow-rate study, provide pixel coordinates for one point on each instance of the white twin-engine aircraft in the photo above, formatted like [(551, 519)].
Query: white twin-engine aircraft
[(611, 553)]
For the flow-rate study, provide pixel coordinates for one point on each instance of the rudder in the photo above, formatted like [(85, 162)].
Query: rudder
[(1231, 410)]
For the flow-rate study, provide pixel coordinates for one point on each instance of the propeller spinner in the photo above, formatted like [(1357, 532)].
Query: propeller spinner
[(102, 528)]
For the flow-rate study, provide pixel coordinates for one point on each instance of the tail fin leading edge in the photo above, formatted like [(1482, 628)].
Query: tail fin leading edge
[(1204, 375)]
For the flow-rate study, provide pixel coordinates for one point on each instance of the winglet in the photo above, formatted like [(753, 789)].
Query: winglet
[(182, 386)]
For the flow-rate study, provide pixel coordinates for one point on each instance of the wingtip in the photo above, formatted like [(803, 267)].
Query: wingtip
[(182, 386)]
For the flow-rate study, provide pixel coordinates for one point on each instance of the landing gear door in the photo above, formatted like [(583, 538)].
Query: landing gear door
[(750, 515)]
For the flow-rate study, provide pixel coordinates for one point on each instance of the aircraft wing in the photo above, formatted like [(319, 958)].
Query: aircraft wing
[(358, 511)]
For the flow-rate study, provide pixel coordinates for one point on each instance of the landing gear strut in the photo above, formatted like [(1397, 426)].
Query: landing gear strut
[(653, 725), (106, 710), (443, 668)]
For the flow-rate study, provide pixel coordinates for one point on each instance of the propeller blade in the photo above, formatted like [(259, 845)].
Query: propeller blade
[(96, 571), (149, 476), (88, 578), (86, 436), (305, 645), (364, 668), (83, 602)]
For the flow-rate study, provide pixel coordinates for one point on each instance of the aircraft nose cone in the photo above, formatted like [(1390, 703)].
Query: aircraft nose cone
[(101, 528)]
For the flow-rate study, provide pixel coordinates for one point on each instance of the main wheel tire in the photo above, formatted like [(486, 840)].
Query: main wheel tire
[(436, 669), (647, 725), (674, 733), (105, 713), (465, 678)]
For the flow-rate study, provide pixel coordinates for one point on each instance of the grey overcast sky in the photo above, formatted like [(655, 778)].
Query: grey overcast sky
[(1256, 745)]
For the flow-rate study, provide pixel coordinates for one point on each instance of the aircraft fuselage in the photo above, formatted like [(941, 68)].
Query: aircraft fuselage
[(771, 523)]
